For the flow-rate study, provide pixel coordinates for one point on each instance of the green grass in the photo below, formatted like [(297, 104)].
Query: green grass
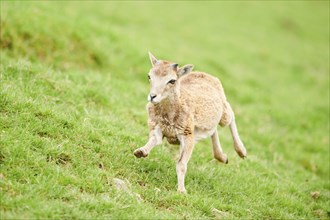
[(72, 104)]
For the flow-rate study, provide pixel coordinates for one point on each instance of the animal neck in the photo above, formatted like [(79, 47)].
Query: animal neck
[(169, 104)]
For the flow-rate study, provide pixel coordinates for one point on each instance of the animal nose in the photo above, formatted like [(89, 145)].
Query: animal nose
[(152, 96)]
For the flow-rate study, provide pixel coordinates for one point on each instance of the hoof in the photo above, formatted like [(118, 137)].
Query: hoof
[(182, 191), (222, 158), (240, 150), (241, 154), (140, 153)]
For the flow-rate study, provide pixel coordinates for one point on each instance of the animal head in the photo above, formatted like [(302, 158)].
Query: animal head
[(163, 78)]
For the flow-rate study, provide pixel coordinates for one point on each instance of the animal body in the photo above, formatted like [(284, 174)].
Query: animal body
[(185, 107)]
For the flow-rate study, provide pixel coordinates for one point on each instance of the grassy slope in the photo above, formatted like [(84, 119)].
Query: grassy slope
[(73, 91)]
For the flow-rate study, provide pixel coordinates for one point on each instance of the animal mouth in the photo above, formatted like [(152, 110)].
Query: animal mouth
[(154, 102)]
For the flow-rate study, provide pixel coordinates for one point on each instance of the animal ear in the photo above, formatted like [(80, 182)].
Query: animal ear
[(185, 69), (153, 59), (175, 66)]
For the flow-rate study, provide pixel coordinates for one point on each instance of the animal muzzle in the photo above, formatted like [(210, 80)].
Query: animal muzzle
[(152, 98)]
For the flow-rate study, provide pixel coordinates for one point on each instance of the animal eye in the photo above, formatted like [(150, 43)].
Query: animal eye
[(148, 77), (172, 81)]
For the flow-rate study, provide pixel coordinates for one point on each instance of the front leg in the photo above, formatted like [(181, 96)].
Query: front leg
[(187, 143), (155, 138)]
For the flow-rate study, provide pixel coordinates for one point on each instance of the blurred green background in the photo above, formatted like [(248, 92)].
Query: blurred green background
[(73, 95)]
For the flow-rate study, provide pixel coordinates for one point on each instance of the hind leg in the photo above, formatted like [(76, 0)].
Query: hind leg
[(238, 144), (217, 150)]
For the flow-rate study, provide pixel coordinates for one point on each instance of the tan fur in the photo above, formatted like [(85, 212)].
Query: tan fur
[(186, 112), (201, 104)]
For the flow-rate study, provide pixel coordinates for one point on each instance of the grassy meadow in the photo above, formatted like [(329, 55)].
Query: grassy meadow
[(73, 90)]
